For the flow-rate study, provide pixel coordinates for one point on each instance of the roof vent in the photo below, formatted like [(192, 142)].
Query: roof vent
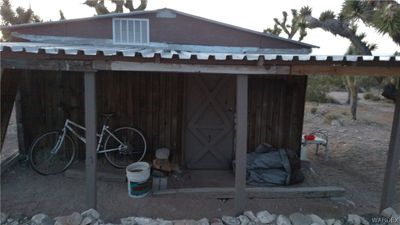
[(131, 31), (166, 13)]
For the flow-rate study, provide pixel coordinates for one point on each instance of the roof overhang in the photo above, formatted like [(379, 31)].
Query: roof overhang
[(92, 58)]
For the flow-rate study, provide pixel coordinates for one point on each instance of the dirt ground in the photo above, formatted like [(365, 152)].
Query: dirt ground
[(358, 157)]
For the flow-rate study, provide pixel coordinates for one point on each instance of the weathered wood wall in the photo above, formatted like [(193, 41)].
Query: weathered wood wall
[(276, 110), (153, 103), (150, 102)]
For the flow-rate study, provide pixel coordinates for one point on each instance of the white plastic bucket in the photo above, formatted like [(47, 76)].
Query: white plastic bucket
[(138, 175)]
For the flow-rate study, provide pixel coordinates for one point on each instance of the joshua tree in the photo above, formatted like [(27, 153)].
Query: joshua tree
[(383, 15), (100, 8), (19, 16)]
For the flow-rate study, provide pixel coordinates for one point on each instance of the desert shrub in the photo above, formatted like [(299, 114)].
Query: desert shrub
[(313, 110), (319, 86), (330, 116), (371, 96)]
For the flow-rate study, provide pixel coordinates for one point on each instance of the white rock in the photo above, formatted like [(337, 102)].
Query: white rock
[(92, 213), (364, 221), (216, 221), (185, 222), (229, 220), (283, 220), (265, 217), (251, 216), (87, 220), (330, 221), (73, 219), (3, 218), (203, 221), (316, 219), (354, 219), (300, 219), (164, 222), (389, 212), (128, 221), (42, 219), (337, 222), (244, 220)]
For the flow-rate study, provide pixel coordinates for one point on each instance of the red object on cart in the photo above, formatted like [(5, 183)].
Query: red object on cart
[(309, 137)]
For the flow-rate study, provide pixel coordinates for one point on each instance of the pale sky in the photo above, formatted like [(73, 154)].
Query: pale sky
[(252, 14)]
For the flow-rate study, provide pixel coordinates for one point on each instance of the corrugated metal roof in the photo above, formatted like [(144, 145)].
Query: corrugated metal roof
[(165, 53)]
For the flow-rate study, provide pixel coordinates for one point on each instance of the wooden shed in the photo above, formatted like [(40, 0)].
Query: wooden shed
[(208, 91), (191, 115)]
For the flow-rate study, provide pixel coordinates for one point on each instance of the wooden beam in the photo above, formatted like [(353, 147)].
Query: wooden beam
[(392, 165), (20, 126), (356, 70), (260, 192), (241, 142), (190, 68), (46, 64), (91, 154)]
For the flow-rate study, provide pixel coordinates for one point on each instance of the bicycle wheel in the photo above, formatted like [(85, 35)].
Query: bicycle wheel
[(135, 142), (44, 161)]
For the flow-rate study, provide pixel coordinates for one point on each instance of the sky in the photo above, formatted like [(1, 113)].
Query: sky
[(252, 14)]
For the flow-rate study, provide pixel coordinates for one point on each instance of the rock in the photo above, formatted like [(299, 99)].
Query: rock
[(203, 221), (87, 220), (389, 213), (216, 221), (229, 220), (185, 222), (164, 222), (244, 220), (356, 220), (3, 218), (92, 213), (42, 219), (265, 217), (300, 219), (73, 219), (337, 222), (316, 219), (251, 216), (128, 221), (353, 219), (283, 220), (336, 123), (329, 221)]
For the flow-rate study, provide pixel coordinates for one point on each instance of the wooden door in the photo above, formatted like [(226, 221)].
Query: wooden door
[(209, 126)]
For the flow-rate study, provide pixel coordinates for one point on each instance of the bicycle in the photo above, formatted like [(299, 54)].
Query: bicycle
[(53, 152)]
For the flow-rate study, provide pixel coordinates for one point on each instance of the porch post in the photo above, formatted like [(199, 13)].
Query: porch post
[(241, 142), (91, 154), (393, 157)]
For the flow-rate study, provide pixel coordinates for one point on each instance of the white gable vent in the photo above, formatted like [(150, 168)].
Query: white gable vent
[(131, 31)]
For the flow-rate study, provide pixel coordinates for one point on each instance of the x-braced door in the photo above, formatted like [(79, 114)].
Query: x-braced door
[(209, 131)]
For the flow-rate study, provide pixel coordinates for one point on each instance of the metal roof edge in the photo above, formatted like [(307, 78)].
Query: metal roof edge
[(158, 10)]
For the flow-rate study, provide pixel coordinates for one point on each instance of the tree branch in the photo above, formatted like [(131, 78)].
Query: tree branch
[(337, 27)]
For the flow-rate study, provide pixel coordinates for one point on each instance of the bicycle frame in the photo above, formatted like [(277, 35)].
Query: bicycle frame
[(71, 126)]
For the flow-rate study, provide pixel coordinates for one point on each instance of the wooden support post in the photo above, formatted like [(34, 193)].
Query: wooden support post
[(241, 142), (91, 154), (20, 127), (393, 157)]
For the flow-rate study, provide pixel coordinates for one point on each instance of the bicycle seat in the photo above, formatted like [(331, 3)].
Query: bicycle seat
[(108, 114)]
